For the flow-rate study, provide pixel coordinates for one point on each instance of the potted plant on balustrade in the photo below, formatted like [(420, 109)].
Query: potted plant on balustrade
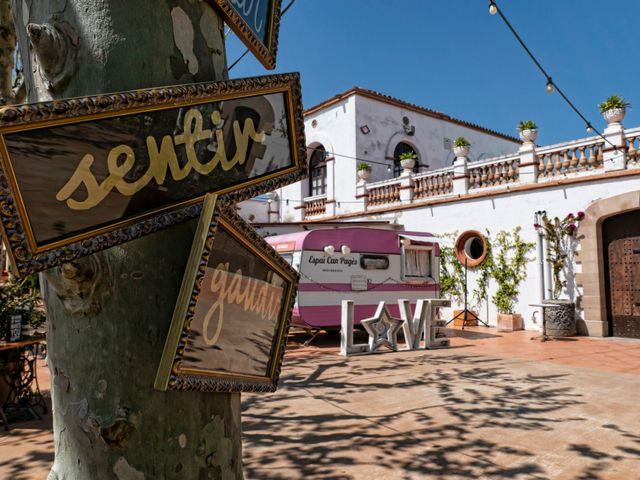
[(408, 161), (559, 234), (364, 171), (613, 109), (511, 255), (528, 131), (461, 147)]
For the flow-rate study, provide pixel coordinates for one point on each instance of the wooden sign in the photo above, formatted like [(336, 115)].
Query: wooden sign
[(232, 316), (84, 174), (257, 23)]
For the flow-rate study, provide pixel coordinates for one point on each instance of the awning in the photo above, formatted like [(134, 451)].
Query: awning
[(416, 239)]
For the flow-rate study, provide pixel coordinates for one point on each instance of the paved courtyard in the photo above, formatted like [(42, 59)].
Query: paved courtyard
[(494, 406)]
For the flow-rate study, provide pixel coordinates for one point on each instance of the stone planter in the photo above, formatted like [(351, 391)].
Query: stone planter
[(364, 175), (614, 115), (461, 151), (529, 135), (510, 322), (458, 315), (408, 165), (560, 318)]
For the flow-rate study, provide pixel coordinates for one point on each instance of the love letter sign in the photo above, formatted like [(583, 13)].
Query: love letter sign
[(84, 174)]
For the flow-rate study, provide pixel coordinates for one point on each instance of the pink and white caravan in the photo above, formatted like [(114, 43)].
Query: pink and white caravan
[(360, 264)]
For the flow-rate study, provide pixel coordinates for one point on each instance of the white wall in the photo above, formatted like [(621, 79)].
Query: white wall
[(337, 128), (505, 212), (254, 210), (334, 129), (385, 123)]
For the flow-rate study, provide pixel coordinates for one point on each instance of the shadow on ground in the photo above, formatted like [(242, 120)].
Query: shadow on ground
[(27, 447), (416, 415)]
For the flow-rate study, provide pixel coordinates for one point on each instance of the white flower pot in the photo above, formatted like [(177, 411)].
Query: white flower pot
[(408, 164), (364, 175), (529, 135), (461, 151), (614, 115)]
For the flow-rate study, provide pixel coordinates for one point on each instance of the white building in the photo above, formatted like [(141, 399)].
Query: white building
[(500, 186)]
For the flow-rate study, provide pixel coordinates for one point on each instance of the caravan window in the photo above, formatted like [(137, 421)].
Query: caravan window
[(416, 263), (288, 257), (374, 262)]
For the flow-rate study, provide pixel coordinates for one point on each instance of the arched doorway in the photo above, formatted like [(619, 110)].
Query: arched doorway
[(621, 244)]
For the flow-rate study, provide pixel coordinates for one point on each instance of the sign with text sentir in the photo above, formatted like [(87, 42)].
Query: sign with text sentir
[(84, 174), (229, 325), (257, 23)]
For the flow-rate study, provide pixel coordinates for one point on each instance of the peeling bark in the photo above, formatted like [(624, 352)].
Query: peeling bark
[(7, 49), (109, 313)]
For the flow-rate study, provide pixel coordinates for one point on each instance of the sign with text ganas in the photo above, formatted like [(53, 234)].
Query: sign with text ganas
[(232, 315), (85, 174)]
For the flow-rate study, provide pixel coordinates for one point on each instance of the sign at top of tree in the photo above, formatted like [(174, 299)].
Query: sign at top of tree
[(257, 23), (85, 174)]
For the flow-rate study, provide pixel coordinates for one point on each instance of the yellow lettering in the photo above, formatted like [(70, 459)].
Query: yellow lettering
[(192, 133), (159, 160), (121, 160), (82, 175)]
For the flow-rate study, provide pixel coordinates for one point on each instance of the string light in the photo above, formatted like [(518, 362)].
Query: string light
[(551, 85), (247, 50), (493, 8)]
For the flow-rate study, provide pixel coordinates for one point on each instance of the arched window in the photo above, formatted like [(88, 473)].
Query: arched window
[(318, 171), (400, 149)]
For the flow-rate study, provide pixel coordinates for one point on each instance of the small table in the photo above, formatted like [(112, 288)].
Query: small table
[(18, 362)]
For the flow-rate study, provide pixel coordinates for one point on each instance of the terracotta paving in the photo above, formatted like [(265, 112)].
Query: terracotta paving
[(494, 406)]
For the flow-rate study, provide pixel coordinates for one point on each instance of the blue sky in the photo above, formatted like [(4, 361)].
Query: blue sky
[(452, 56)]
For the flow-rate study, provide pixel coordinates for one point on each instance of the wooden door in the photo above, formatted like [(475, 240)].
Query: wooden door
[(624, 285)]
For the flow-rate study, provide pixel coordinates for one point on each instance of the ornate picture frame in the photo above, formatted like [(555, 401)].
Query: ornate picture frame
[(42, 146), (231, 320), (248, 25)]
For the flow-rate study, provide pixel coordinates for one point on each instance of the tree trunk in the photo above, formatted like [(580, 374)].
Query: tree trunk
[(108, 314)]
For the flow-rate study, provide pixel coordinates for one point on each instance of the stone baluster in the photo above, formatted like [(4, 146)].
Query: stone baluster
[(583, 159), (566, 163)]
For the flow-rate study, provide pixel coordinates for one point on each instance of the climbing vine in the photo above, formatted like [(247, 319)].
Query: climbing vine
[(509, 268), (451, 271), (560, 235)]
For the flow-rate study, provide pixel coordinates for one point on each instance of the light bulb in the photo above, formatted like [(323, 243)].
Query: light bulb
[(388, 168), (493, 8), (589, 128), (550, 86)]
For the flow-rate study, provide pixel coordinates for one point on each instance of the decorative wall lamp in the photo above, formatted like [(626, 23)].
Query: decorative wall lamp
[(408, 128)]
